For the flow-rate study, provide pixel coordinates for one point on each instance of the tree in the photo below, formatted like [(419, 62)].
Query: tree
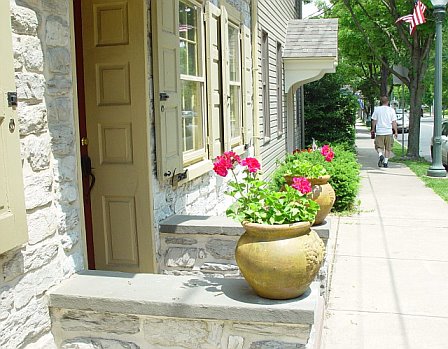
[(330, 112), (389, 43)]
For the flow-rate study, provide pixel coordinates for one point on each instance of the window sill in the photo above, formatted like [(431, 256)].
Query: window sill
[(197, 170)]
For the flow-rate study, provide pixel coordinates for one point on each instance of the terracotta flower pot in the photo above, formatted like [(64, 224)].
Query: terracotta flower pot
[(323, 193), (279, 261)]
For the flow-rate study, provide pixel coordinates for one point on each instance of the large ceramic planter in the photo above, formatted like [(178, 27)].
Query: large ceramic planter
[(323, 193), (279, 261)]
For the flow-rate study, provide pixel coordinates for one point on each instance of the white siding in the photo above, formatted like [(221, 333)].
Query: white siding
[(273, 17)]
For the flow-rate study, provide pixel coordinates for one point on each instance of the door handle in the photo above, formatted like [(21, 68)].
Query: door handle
[(86, 169), (164, 96)]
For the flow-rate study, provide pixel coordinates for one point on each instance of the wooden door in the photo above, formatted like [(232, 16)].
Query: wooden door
[(115, 86)]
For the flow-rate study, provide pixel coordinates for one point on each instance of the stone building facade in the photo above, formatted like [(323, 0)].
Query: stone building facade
[(43, 36), (43, 72)]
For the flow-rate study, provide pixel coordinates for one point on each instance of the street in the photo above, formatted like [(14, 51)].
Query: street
[(426, 131)]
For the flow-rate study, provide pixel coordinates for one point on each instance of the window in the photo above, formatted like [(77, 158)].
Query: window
[(192, 81), (265, 84), (205, 105), (235, 114), (279, 89)]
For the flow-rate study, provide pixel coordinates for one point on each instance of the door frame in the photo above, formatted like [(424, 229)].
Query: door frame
[(82, 128), (80, 120)]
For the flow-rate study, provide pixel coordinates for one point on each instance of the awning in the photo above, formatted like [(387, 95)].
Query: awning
[(311, 50)]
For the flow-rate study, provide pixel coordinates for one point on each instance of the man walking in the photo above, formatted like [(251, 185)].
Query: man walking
[(384, 125)]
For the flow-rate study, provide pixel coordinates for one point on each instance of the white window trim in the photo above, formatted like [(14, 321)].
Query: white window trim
[(198, 155)]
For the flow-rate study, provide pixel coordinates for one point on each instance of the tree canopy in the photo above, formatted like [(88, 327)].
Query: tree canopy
[(371, 44)]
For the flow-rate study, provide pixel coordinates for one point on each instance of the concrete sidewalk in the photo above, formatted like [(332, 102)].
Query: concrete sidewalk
[(389, 280)]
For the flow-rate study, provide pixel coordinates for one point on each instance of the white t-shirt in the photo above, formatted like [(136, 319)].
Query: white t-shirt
[(384, 115)]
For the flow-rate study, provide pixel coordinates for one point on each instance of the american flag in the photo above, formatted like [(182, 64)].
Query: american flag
[(416, 18)]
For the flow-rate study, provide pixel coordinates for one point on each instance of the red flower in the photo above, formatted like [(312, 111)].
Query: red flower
[(327, 152), (221, 168), (252, 164), (329, 156), (232, 157), (301, 184), (225, 162)]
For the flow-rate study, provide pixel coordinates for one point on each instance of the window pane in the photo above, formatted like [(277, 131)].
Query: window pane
[(192, 59), (234, 53), (192, 115), (188, 35), (235, 123)]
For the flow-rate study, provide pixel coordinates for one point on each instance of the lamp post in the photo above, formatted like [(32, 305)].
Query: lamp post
[(436, 169)]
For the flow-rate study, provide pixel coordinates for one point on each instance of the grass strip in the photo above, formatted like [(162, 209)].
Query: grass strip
[(420, 168)]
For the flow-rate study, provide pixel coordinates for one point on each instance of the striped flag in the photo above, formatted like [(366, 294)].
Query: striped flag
[(416, 18)]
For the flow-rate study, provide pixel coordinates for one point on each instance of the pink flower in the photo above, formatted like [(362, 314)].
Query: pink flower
[(301, 184), (232, 157), (329, 157), (327, 152), (252, 164), (225, 162), (220, 168)]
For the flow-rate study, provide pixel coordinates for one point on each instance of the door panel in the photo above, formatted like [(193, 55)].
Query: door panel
[(114, 52)]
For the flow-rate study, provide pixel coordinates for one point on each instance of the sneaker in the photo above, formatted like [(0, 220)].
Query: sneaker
[(385, 165), (380, 161)]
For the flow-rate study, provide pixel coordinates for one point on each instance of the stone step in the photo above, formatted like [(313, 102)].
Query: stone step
[(205, 245), (111, 309)]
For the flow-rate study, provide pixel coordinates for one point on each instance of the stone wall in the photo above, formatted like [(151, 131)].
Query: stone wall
[(122, 310), (91, 330), (41, 43)]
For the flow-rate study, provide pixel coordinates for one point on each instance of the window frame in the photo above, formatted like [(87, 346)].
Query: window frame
[(279, 62), (200, 161), (194, 156), (265, 85), (238, 139)]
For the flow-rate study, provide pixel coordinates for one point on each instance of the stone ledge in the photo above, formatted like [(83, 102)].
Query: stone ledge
[(181, 297), (210, 225)]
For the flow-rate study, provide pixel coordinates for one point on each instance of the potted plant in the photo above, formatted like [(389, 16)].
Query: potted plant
[(278, 255), (322, 191)]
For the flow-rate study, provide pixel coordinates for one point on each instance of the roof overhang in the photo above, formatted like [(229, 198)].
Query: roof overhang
[(302, 71), (311, 50)]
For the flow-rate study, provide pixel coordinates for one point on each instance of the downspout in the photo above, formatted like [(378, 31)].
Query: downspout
[(255, 70), (299, 9)]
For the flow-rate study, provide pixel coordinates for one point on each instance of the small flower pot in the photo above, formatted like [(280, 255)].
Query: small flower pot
[(323, 193)]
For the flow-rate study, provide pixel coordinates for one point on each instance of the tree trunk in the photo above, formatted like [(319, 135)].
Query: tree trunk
[(419, 65), (384, 76)]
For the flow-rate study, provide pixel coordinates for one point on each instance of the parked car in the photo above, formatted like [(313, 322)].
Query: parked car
[(444, 143), (402, 115)]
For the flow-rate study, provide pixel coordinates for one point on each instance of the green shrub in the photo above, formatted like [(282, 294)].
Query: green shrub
[(330, 112), (344, 172)]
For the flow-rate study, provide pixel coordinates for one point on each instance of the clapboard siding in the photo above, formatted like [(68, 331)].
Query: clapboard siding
[(273, 17)]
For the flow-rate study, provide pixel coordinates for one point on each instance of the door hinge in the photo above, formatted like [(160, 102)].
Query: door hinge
[(12, 99)]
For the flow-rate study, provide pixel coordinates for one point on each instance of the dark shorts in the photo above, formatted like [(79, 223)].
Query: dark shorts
[(384, 142)]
